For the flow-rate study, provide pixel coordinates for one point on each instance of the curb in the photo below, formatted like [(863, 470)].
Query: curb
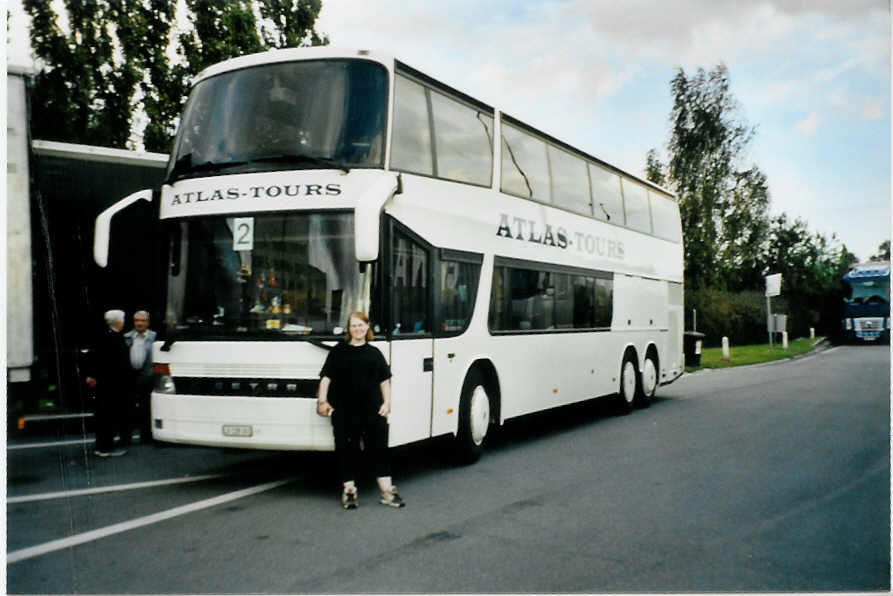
[(819, 346)]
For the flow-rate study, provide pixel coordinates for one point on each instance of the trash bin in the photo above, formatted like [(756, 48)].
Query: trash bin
[(692, 342)]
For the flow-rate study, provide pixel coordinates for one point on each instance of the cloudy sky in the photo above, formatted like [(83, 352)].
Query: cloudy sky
[(813, 77)]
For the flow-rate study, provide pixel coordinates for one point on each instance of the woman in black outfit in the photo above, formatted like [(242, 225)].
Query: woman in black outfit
[(355, 390)]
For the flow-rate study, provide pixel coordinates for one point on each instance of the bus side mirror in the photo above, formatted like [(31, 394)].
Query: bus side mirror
[(367, 217), (102, 230)]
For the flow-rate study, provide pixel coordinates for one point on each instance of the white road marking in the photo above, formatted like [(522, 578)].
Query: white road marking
[(109, 489), (135, 435), (53, 444), (54, 545)]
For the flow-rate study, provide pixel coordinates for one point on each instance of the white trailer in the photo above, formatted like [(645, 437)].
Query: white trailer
[(55, 295), (19, 287)]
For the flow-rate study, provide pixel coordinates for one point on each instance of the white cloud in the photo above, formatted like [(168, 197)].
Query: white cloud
[(809, 124), (796, 193), (870, 109)]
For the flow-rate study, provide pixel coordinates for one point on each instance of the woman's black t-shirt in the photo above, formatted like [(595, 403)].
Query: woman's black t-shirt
[(356, 374)]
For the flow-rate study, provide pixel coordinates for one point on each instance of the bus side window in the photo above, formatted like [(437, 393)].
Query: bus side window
[(606, 195), (411, 142), (635, 204), (458, 288), (409, 271), (525, 167), (665, 218), (584, 302), (604, 302), (463, 141), (570, 183)]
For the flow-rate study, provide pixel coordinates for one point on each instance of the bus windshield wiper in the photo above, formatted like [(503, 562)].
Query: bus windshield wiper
[(299, 158), (184, 166)]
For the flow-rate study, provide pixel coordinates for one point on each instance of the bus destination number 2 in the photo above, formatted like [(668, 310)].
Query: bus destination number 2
[(243, 233)]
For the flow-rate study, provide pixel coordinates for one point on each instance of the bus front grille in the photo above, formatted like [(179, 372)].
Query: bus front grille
[(246, 387)]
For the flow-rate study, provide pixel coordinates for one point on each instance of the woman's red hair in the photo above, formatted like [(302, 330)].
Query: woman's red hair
[(361, 316)]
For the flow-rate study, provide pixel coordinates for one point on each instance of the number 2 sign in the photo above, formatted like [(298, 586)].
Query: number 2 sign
[(243, 233)]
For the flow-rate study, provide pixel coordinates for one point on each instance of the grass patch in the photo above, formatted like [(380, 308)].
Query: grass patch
[(755, 354)]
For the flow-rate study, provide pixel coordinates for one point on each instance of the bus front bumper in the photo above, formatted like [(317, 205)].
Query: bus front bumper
[(241, 422)]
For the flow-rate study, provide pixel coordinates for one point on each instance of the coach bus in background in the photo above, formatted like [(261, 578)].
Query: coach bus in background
[(866, 308), (505, 272)]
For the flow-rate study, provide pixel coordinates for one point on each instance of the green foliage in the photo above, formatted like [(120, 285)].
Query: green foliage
[(162, 85), (290, 23), (724, 208), (220, 30), (812, 269), (740, 316), (88, 90), (654, 169), (883, 252), (745, 228), (83, 92), (731, 243)]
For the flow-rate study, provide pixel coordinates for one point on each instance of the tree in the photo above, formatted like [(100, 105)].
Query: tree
[(289, 23), (883, 252), (812, 268), (112, 62), (83, 91), (162, 85), (724, 208), (220, 30), (654, 169), (744, 228)]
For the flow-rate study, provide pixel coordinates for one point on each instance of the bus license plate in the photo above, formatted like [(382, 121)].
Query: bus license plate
[(237, 430)]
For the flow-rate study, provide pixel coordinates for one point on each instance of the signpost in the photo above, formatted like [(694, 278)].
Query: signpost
[(773, 288)]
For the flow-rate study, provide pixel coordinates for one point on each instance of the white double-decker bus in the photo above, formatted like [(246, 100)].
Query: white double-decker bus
[(505, 272)]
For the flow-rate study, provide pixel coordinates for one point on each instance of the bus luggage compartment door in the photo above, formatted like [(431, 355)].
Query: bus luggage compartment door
[(411, 386)]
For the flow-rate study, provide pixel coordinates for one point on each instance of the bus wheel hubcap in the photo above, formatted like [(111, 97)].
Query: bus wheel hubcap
[(479, 418), (649, 377), (629, 382)]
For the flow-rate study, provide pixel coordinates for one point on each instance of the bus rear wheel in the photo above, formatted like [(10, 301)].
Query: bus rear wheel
[(648, 384), (474, 419), (629, 385)]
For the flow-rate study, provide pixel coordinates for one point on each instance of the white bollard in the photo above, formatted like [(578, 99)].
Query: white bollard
[(784, 339), (725, 348), (812, 333)]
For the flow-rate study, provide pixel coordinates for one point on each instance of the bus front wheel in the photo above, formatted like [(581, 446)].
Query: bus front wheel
[(474, 418), (629, 385)]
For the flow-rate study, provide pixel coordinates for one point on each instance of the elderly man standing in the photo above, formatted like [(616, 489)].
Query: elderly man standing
[(139, 342), (110, 376)]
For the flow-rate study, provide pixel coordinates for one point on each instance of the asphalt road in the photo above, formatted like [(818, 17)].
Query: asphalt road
[(766, 478)]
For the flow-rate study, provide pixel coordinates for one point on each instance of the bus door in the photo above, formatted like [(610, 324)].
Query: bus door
[(411, 385), (412, 341)]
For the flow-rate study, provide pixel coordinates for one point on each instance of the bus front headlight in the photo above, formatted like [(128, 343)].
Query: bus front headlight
[(164, 382), (848, 324)]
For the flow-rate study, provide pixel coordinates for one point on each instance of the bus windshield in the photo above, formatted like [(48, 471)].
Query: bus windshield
[(290, 115), (869, 291), (267, 276)]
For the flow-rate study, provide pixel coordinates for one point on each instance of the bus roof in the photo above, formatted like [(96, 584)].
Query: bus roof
[(289, 55), (870, 269), (391, 63)]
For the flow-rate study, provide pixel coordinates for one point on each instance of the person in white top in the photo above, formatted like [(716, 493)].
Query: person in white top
[(139, 342)]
